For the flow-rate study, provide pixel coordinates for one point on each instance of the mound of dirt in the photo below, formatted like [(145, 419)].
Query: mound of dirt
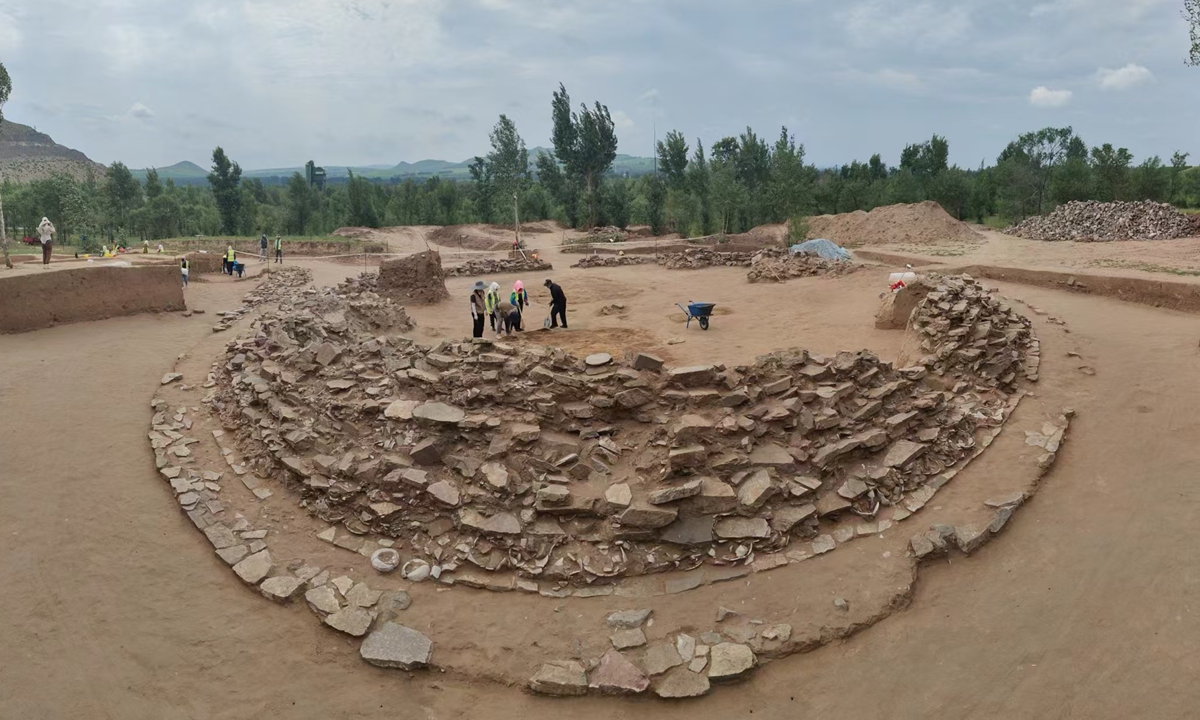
[(1090, 221), (416, 279), (924, 223), (474, 237)]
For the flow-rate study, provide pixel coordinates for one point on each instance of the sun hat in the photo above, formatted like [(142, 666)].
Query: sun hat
[(479, 285)]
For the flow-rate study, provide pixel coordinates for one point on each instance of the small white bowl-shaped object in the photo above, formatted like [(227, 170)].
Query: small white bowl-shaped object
[(415, 570), (385, 560)]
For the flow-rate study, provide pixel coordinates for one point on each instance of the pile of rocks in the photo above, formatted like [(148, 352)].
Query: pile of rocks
[(496, 266), (504, 464), (1091, 221), (277, 284), (778, 265), (705, 257), (593, 261)]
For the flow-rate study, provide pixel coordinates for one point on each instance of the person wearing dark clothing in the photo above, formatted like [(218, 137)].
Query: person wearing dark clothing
[(478, 309), (262, 248), (558, 304)]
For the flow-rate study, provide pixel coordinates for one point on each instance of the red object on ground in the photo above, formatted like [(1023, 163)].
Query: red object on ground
[(898, 284)]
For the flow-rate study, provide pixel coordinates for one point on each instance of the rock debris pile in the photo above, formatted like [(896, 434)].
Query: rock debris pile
[(506, 465), (278, 283), (496, 266), (597, 260), (778, 265), (1091, 221)]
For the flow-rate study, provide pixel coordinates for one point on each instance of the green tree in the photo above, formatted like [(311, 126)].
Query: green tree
[(225, 183), (1151, 180), (1111, 168), (585, 142), (1191, 13), (951, 188), (504, 174), (154, 186), (727, 194), (361, 202), (1179, 163), (300, 205), (122, 193), (1072, 180), (790, 184), (673, 158), (616, 202)]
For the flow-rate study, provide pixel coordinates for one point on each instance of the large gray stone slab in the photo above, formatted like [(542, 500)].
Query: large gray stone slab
[(395, 646)]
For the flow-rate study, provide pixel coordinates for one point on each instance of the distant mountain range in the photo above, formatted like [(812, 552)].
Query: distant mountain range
[(187, 172), (27, 155)]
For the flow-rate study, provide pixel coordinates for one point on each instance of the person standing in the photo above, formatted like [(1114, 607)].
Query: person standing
[(230, 259), (520, 298), (183, 268), (478, 309), (46, 233), (279, 249), (262, 248), (558, 304), (493, 299)]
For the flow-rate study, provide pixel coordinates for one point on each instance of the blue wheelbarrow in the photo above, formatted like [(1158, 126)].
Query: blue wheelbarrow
[(699, 311)]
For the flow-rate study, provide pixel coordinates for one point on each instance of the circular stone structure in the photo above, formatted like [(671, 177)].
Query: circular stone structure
[(512, 466)]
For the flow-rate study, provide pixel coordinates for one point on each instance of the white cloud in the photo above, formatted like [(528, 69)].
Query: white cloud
[(622, 120), (1043, 96), (1124, 78), (140, 112), (651, 96), (923, 25), (11, 37)]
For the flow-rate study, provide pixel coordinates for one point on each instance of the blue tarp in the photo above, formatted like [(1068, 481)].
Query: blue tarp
[(822, 248)]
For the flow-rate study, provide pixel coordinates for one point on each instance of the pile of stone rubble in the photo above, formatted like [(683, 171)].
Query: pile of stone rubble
[(496, 266), (598, 260), (508, 465), (778, 265), (278, 283), (1091, 221)]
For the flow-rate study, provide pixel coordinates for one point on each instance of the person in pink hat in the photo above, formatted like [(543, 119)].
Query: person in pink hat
[(519, 298)]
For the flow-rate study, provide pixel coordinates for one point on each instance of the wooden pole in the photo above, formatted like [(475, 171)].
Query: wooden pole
[(517, 219)]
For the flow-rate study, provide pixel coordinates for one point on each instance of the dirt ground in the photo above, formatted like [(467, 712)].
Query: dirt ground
[(1081, 608)]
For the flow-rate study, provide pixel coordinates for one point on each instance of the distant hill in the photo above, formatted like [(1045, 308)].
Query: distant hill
[(186, 172), (27, 155)]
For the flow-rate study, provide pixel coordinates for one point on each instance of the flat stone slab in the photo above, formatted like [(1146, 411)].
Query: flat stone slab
[(677, 492), (439, 413), (649, 517), (561, 677), (323, 600), (401, 409), (616, 675), (396, 646), (255, 568), (628, 619), (281, 589), (660, 658), (734, 528), (598, 359), (625, 639), (771, 454), (689, 531), (683, 683), (730, 661), (352, 620)]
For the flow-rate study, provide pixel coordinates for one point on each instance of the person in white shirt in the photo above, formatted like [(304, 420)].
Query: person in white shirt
[(46, 231)]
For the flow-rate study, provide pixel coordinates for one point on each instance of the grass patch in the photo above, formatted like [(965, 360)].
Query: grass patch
[(996, 222)]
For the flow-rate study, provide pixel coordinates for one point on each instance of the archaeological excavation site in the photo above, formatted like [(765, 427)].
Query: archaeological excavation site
[(607, 509)]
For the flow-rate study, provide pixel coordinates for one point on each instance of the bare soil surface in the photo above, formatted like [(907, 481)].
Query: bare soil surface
[(116, 607)]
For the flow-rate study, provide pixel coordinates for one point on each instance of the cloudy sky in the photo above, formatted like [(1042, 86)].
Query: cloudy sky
[(357, 82)]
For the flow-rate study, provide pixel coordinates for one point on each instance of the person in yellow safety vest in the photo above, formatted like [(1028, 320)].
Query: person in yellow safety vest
[(493, 299), (279, 249), (230, 259)]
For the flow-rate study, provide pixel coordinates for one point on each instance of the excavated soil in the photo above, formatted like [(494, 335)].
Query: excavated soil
[(42, 299), (924, 223)]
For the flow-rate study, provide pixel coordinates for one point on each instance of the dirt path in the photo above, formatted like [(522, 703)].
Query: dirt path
[(1081, 609)]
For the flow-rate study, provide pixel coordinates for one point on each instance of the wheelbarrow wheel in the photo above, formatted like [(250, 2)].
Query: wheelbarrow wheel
[(703, 323)]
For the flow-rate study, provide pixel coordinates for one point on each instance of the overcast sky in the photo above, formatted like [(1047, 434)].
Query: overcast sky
[(277, 82)]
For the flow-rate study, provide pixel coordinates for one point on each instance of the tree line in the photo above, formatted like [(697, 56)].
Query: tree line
[(730, 186)]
